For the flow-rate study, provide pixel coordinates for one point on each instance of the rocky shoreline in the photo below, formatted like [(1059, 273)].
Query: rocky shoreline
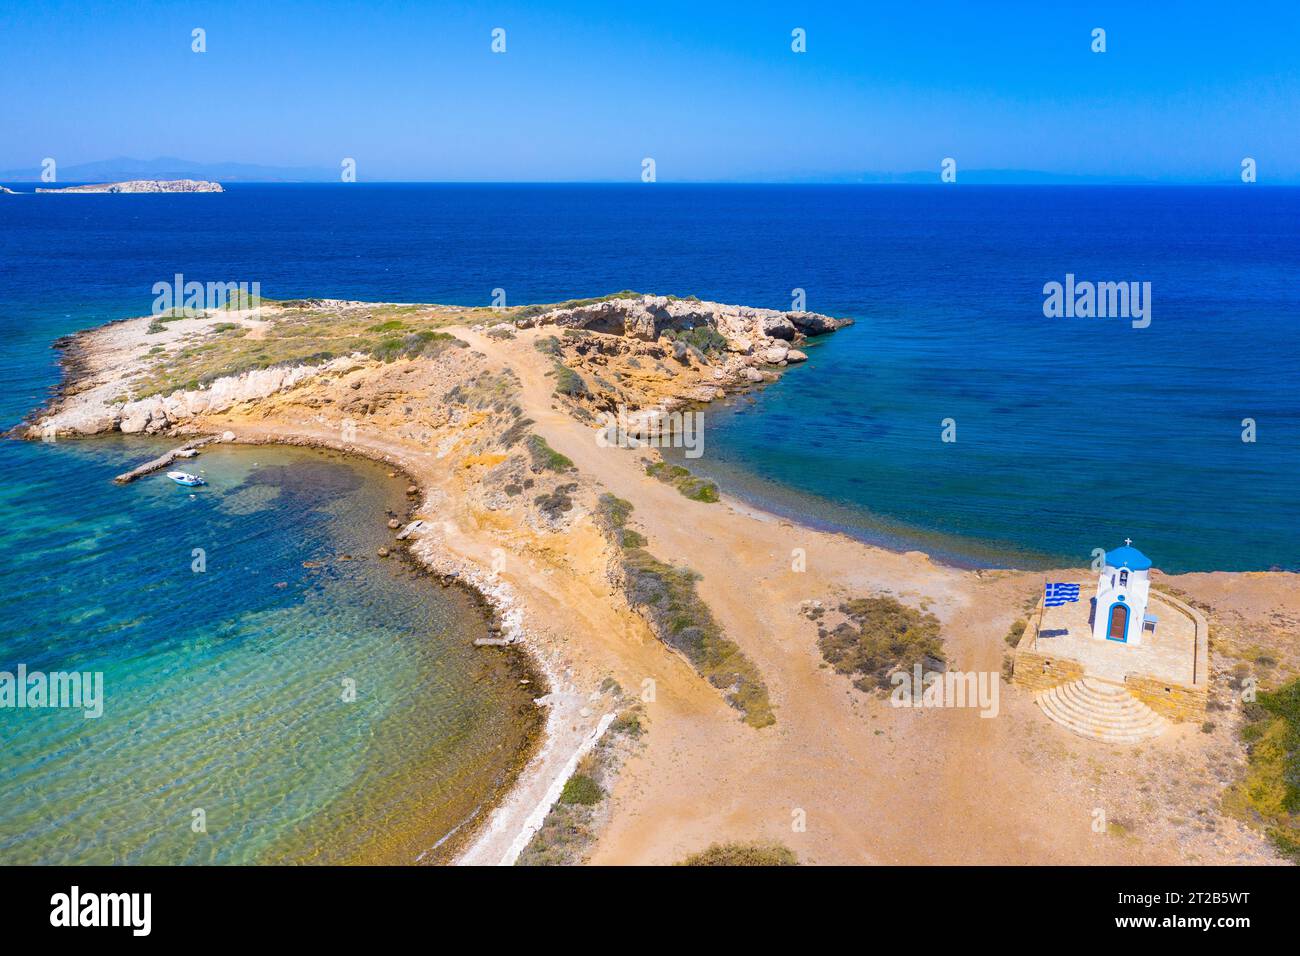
[(503, 616)]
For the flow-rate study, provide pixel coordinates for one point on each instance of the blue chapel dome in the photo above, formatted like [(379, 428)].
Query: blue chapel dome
[(1128, 557)]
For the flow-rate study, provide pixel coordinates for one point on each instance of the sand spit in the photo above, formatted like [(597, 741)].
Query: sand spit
[(494, 416)]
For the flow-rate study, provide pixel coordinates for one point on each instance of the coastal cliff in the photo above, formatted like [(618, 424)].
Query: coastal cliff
[(142, 186)]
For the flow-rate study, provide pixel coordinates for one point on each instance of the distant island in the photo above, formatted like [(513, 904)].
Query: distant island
[(143, 186)]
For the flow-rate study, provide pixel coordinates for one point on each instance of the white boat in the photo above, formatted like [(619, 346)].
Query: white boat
[(185, 478)]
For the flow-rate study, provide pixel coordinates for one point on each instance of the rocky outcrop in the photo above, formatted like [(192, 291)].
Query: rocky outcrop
[(640, 352), (158, 413), (144, 186), (655, 351), (648, 317)]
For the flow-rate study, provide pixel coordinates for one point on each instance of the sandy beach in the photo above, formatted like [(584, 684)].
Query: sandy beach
[(840, 777)]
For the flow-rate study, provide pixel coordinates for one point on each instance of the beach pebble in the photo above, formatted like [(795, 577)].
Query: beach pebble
[(394, 523), (412, 490), (383, 552)]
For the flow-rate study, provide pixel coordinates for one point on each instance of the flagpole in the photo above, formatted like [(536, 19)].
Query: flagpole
[(1042, 607)]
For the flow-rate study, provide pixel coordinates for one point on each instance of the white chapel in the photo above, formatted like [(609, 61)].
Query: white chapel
[(1119, 611)]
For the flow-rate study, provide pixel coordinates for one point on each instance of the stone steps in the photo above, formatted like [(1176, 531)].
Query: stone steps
[(1101, 711)]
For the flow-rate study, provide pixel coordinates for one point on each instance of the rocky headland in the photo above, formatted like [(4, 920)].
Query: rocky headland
[(638, 351)]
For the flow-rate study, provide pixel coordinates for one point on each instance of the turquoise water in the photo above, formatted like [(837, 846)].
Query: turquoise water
[(224, 688)]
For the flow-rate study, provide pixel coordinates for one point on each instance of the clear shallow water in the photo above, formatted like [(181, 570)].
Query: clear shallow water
[(223, 689), (1072, 433)]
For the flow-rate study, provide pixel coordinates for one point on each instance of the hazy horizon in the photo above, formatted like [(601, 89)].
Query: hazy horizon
[(416, 93), (126, 168)]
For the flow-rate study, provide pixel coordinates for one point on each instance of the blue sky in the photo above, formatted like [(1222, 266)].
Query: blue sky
[(711, 91)]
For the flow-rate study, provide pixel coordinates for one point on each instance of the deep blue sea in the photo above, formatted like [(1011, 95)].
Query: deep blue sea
[(1071, 433)]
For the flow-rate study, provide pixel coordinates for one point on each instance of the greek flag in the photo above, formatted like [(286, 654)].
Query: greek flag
[(1058, 594)]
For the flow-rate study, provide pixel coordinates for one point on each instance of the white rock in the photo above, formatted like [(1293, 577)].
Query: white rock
[(134, 418)]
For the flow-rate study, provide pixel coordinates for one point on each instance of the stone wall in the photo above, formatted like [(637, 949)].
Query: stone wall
[(1178, 702), (1036, 671)]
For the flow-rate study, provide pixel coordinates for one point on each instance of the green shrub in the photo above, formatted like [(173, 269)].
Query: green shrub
[(426, 343), (696, 489), (556, 502), (1016, 632), (549, 345), (614, 510), (546, 458), (568, 382), (880, 635), (743, 854), (699, 489), (681, 619), (530, 311), (703, 339), (629, 723), (582, 789), (1269, 795), (668, 599), (631, 539)]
